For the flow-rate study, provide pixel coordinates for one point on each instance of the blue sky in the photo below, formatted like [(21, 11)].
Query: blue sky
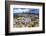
[(25, 10)]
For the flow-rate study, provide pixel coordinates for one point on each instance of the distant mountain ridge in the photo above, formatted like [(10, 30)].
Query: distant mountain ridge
[(25, 14)]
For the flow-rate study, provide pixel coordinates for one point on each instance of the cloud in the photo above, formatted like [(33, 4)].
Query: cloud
[(20, 10)]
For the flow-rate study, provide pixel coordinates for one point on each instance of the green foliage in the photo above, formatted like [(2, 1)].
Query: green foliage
[(31, 24)]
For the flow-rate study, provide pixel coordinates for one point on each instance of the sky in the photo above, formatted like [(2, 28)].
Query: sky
[(25, 10)]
